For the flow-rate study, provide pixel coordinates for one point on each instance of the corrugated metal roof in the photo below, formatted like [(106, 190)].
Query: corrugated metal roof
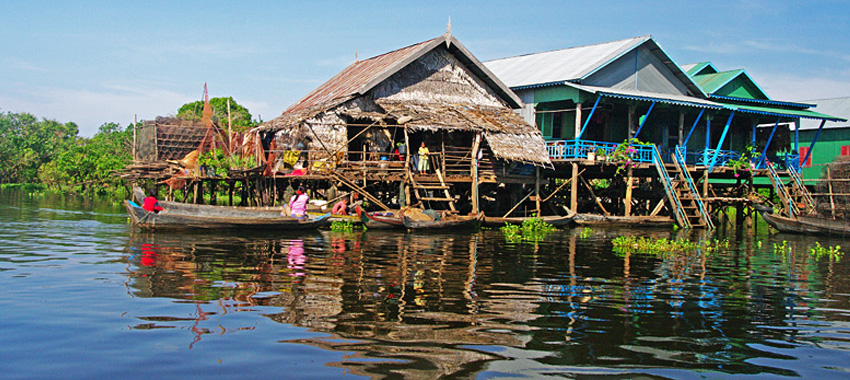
[(559, 65), (578, 63), (839, 107), (353, 78), (782, 112), (361, 76), (763, 102), (713, 82)]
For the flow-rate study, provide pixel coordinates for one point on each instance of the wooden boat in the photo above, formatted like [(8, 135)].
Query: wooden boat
[(807, 224), (446, 223), (555, 220), (203, 217), (376, 221), (622, 221)]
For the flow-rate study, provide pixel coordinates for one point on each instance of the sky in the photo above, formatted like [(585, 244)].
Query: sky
[(94, 62)]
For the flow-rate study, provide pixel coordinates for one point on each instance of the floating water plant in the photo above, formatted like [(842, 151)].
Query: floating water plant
[(345, 226), (834, 253), (533, 229), (585, 233), (634, 244), (781, 248)]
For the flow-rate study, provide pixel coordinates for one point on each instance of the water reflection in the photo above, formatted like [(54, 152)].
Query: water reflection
[(426, 306)]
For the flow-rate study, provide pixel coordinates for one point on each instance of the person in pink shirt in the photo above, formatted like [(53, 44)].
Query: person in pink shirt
[(298, 203)]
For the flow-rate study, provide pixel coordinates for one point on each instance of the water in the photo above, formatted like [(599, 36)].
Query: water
[(83, 295)]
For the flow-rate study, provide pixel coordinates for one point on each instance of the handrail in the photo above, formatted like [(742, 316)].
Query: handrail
[(810, 202), (579, 149), (679, 211), (683, 168), (783, 192)]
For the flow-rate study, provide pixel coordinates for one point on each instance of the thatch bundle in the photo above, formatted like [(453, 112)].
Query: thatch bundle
[(834, 190)]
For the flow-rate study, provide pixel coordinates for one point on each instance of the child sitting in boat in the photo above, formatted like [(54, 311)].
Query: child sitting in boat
[(152, 205)]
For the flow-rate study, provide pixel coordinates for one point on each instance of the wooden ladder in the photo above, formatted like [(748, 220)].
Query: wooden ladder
[(430, 186)]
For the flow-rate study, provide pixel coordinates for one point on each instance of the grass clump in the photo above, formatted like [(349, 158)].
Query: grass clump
[(532, 229), (634, 244), (346, 226)]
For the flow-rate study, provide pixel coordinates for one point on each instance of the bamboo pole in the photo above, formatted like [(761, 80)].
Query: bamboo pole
[(574, 187), (537, 190), (831, 199), (134, 135), (628, 199), (595, 198), (517, 205), (474, 170)]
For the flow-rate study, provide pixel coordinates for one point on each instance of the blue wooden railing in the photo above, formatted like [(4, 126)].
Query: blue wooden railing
[(579, 149)]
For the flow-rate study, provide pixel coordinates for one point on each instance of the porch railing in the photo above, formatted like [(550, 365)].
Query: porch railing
[(584, 149)]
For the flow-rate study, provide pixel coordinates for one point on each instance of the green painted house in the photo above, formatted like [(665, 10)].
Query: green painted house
[(592, 96), (833, 140)]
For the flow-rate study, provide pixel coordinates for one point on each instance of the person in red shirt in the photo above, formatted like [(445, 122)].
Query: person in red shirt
[(152, 205)]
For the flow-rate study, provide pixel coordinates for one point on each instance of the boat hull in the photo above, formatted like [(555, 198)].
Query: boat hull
[(808, 225), (202, 217), (621, 221), (456, 223), (555, 220)]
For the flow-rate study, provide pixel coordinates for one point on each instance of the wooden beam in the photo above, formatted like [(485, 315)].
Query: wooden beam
[(595, 198), (363, 191), (574, 187), (474, 170), (658, 207)]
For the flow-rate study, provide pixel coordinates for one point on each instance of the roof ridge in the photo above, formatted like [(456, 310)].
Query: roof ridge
[(643, 37)]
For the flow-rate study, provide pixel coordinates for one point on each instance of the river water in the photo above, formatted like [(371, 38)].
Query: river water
[(83, 295)]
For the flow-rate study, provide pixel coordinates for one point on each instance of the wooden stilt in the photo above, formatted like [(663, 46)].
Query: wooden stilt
[(474, 170), (628, 199), (537, 190), (574, 187), (595, 198)]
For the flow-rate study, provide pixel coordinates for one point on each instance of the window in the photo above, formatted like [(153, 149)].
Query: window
[(845, 150), (804, 150)]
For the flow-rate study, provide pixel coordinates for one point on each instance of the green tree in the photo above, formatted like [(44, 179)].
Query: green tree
[(27, 143), (241, 118), (90, 163)]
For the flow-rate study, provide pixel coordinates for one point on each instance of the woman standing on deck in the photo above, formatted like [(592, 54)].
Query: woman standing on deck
[(423, 158)]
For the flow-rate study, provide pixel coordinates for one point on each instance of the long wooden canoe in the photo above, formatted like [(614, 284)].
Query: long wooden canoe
[(808, 225), (608, 220), (555, 220), (202, 217), (375, 221)]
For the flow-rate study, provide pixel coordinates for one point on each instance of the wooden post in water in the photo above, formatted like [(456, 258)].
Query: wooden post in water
[(537, 190), (134, 136), (574, 188), (474, 170), (628, 200), (829, 186)]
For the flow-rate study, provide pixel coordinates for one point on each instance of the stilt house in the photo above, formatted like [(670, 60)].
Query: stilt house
[(589, 100), (364, 127)]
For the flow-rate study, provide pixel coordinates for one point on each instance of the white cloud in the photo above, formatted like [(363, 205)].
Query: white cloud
[(797, 88), (92, 108)]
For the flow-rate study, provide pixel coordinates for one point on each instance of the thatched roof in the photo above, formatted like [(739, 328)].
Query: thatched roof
[(350, 94)]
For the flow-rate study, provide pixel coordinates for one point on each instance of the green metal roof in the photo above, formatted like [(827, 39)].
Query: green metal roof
[(782, 112), (699, 68), (745, 87)]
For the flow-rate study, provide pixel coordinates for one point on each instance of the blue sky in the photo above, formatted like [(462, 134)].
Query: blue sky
[(93, 62)]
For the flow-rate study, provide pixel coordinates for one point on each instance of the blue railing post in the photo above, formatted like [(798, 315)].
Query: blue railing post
[(589, 116), (646, 116), (722, 138)]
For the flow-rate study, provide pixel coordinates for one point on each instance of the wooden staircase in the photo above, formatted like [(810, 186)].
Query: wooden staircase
[(433, 187), (682, 193), (796, 199)]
